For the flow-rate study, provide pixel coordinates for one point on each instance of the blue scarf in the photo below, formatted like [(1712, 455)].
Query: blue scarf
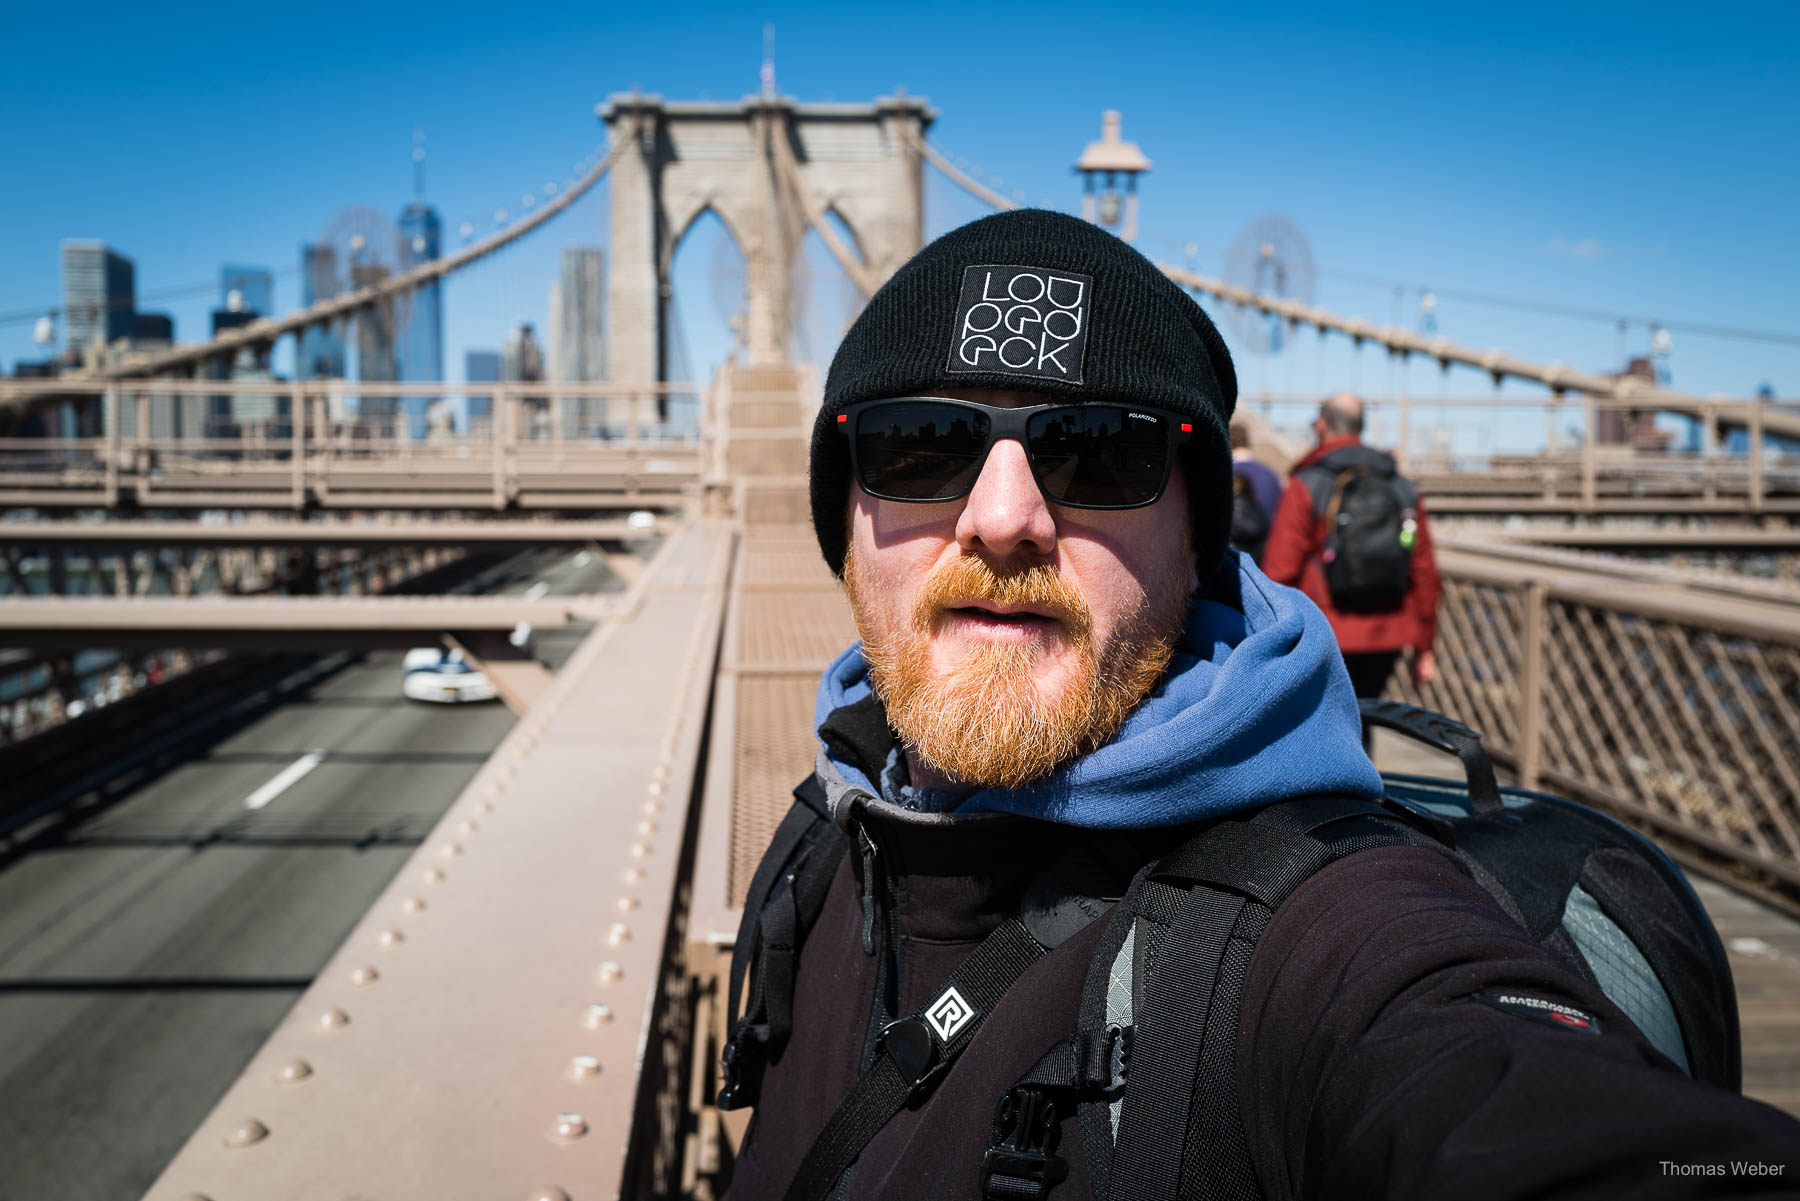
[(1254, 707)]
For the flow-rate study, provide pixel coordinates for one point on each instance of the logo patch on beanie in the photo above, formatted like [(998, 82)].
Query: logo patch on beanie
[(1022, 321)]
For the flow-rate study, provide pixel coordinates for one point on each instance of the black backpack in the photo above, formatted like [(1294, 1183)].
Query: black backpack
[(1249, 523), (1369, 515), (1589, 889)]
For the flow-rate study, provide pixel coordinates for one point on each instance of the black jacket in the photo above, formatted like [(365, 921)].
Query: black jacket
[(1366, 1067)]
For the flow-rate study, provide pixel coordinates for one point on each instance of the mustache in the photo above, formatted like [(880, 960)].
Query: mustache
[(971, 578)]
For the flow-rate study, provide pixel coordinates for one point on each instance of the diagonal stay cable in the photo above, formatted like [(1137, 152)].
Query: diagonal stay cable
[(815, 216)]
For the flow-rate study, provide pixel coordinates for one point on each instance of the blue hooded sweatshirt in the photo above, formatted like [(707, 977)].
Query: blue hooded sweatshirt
[(1255, 707)]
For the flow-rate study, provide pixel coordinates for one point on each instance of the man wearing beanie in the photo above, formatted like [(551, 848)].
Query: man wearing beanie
[(973, 964)]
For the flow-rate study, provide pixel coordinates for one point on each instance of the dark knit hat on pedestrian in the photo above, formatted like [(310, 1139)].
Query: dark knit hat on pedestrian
[(1105, 325)]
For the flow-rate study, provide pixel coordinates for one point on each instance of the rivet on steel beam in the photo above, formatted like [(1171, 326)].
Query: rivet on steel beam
[(633, 875), (496, 788), (293, 1071), (619, 934), (568, 1127), (652, 808), (639, 850), (659, 772), (331, 1019), (584, 1067), (413, 904), (390, 938), (465, 828), (656, 788), (485, 807), (364, 976), (450, 850), (646, 828), (625, 904), (610, 971), (433, 875), (246, 1133), (548, 1193), (596, 1016)]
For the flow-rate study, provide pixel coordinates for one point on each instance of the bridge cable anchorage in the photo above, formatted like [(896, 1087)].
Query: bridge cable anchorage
[(268, 330), (1557, 378), (815, 216)]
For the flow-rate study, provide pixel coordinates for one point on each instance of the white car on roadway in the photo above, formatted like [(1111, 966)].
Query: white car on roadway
[(436, 674)]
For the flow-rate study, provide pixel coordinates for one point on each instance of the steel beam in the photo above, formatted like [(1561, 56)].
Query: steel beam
[(277, 623), (493, 1026), (485, 535)]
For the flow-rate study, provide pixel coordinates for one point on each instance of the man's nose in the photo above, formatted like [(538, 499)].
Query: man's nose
[(1006, 514)]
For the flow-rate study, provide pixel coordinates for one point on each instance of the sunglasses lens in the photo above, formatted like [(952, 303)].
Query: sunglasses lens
[(1105, 456), (919, 450)]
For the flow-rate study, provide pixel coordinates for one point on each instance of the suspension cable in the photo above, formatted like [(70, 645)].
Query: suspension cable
[(269, 329), (1555, 376)]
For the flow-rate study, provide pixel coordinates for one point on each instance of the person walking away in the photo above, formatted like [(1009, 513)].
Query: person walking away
[(1256, 490), (1351, 533)]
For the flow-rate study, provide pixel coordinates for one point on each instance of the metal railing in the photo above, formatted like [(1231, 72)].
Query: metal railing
[(347, 444), (1675, 706)]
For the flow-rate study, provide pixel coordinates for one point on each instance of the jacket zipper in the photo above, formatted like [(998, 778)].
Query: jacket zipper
[(870, 857)]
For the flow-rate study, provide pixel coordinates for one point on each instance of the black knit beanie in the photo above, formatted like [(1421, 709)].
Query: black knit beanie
[(1079, 313)]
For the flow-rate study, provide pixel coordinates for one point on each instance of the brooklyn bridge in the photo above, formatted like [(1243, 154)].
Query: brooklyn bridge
[(269, 929)]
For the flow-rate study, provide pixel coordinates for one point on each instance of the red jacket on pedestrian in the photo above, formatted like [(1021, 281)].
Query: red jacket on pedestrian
[(1292, 557)]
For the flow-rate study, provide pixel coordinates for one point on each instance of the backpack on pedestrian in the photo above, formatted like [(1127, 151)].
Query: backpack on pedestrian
[(1369, 513), (1249, 522)]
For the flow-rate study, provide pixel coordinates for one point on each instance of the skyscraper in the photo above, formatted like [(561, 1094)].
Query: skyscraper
[(481, 367), (255, 288), (99, 293), (321, 349), (420, 346), (376, 361), (580, 333)]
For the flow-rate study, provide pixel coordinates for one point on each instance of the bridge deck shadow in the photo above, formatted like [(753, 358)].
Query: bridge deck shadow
[(1762, 942)]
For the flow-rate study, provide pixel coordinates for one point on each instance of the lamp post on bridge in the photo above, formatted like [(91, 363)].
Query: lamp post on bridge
[(1102, 163)]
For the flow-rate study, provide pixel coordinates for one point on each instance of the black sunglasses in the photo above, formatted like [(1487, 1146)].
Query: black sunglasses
[(1087, 456)]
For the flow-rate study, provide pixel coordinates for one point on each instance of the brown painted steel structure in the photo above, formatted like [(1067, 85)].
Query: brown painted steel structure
[(550, 446), (498, 534), (274, 623)]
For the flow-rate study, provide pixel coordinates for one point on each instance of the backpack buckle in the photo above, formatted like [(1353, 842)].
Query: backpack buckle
[(908, 1042), (1118, 1056), (741, 1066), (1021, 1163)]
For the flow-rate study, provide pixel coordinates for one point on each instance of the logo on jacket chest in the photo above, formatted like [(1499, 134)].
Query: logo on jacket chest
[(1022, 321)]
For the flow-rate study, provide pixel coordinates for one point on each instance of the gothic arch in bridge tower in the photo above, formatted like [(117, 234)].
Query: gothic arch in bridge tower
[(741, 161)]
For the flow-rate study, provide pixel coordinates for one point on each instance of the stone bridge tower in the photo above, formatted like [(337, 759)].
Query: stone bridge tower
[(857, 160)]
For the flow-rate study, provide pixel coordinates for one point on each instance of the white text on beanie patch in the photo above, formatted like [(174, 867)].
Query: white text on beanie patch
[(1022, 321)]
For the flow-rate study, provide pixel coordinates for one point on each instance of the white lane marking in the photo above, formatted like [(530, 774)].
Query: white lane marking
[(1753, 946), (286, 779), (537, 590), (583, 559)]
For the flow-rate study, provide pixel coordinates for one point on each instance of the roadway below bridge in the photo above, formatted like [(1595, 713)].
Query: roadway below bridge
[(146, 952)]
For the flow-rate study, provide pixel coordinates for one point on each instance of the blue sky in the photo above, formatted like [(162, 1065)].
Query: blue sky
[(1640, 160)]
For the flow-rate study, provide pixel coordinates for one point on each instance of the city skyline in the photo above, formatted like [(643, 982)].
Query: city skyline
[(1641, 184)]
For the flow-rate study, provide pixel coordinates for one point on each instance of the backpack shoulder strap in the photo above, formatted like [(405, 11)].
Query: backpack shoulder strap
[(784, 899), (1197, 914)]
